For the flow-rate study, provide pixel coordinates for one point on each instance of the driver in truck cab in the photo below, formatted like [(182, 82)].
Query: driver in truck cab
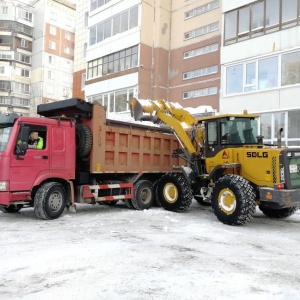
[(34, 141)]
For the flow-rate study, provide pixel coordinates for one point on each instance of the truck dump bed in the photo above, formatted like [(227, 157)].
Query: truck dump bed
[(118, 146)]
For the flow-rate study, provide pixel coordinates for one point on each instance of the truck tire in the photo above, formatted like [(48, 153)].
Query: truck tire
[(83, 141), (143, 197), (279, 213), (174, 193), (12, 208), (233, 200), (50, 201)]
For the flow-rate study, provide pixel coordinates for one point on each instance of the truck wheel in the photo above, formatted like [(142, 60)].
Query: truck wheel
[(50, 201), (83, 140), (233, 200), (279, 213), (143, 195), (12, 208), (174, 193)]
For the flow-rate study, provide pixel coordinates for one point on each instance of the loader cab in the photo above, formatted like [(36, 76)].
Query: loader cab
[(229, 132)]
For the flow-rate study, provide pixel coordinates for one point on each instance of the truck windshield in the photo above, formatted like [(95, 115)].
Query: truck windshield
[(4, 137), (239, 131)]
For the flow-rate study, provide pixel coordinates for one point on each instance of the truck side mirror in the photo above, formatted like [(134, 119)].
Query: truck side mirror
[(22, 143)]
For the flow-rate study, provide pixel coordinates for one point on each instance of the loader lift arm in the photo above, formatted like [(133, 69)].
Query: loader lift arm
[(180, 120)]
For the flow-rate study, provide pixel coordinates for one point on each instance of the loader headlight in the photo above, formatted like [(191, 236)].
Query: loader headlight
[(3, 186)]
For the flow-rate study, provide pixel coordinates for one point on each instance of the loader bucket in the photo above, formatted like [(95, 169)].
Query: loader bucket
[(138, 107)]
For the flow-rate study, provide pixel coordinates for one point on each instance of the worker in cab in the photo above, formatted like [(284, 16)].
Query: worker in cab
[(34, 141)]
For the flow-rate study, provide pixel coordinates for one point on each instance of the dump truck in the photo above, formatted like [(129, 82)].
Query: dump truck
[(85, 158), (229, 165)]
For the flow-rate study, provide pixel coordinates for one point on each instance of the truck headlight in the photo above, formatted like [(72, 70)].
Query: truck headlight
[(3, 186)]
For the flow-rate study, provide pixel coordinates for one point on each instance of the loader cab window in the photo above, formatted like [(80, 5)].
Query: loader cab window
[(212, 133), (238, 131)]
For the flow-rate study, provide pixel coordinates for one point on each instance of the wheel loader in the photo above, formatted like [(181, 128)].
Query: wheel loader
[(227, 164)]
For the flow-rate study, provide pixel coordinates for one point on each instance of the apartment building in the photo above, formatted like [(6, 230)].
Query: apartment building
[(36, 53), (16, 38), (260, 59), (148, 49), (53, 51)]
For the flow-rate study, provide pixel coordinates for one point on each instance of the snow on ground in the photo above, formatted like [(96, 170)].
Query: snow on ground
[(106, 252)]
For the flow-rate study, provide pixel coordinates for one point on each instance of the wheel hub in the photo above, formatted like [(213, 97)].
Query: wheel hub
[(55, 201), (227, 201), (170, 192), (146, 195)]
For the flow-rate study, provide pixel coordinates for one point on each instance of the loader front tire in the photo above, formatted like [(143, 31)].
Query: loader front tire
[(233, 200), (50, 201), (279, 213), (143, 195), (174, 192)]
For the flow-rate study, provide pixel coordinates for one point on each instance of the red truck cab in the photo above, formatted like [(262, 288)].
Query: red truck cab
[(24, 171)]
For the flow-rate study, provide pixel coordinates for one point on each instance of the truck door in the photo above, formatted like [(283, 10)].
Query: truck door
[(25, 169)]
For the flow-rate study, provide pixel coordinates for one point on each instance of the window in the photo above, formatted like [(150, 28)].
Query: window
[(234, 79), (83, 79), (200, 93), (25, 73), (5, 39), (290, 68), (268, 73), (116, 101), (200, 72), (68, 22), (67, 35), (115, 62), (52, 45), (117, 24), (212, 133), (50, 74), (25, 15), (2, 70), (23, 58), (97, 3), (201, 51), (264, 73), (201, 31), (84, 50), (24, 43), (22, 88), (51, 59), (202, 9), (258, 18), (67, 50), (52, 30), (86, 19), (4, 10)]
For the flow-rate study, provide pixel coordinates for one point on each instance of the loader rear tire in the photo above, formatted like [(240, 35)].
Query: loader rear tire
[(143, 195), (174, 192), (233, 200), (279, 213), (50, 201), (83, 141)]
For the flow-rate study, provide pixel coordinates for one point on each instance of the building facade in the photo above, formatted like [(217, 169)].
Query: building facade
[(148, 49), (36, 53), (53, 51), (260, 59), (16, 39)]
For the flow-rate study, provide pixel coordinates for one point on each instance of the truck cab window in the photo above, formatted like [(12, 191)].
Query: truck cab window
[(4, 137), (37, 137)]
